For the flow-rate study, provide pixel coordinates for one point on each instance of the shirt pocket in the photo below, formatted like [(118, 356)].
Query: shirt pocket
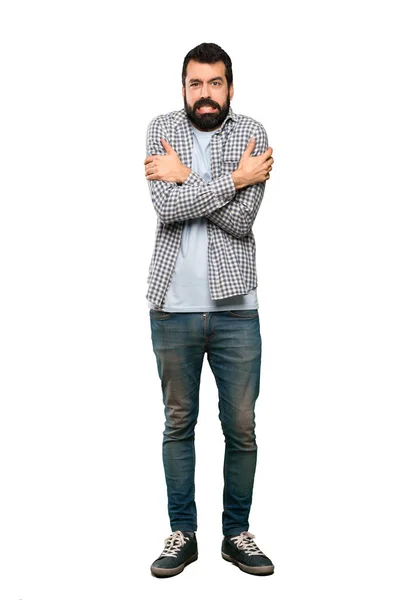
[(230, 159)]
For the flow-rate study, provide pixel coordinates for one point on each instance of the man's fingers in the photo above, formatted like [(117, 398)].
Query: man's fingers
[(150, 165), (149, 159), (250, 146), (151, 171), (268, 152), (167, 147), (270, 161)]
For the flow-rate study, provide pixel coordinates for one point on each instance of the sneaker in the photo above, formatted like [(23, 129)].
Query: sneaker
[(243, 552), (179, 551)]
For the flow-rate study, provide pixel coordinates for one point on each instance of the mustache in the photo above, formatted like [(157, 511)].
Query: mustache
[(206, 103)]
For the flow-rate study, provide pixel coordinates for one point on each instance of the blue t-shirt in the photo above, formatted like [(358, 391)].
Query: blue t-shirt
[(188, 290)]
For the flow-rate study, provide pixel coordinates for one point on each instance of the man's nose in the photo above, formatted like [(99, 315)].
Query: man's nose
[(206, 91)]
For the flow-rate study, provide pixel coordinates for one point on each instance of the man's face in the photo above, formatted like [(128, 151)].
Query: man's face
[(206, 95)]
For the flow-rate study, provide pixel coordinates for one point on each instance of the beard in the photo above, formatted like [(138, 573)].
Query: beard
[(207, 121)]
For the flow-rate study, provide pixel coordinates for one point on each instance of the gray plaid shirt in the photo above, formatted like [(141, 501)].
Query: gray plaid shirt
[(230, 213)]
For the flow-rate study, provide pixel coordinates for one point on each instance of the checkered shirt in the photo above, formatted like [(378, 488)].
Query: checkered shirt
[(230, 213)]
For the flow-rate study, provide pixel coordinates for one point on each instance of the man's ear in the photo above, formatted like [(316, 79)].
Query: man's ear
[(231, 91), (183, 91)]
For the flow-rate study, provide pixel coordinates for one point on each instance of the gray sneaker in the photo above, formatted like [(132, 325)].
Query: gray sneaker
[(243, 552), (180, 550)]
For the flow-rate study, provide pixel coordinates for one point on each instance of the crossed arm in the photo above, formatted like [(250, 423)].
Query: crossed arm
[(178, 193)]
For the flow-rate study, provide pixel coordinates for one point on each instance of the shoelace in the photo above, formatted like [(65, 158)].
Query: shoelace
[(245, 542), (173, 543)]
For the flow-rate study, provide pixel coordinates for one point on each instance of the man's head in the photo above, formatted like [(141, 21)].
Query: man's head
[(207, 86)]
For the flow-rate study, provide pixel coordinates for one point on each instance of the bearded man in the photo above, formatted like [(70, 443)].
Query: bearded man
[(206, 167)]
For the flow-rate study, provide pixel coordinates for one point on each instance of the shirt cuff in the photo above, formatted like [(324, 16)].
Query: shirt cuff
[(193, 178), (223, 187)]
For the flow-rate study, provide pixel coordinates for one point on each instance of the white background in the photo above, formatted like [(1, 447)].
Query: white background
[(83, 500)]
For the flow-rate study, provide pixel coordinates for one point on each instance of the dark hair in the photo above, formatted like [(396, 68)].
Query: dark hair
[(208, 53)]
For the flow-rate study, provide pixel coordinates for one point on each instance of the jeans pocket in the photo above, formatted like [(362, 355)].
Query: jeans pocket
[(250, 313), (159, 315)]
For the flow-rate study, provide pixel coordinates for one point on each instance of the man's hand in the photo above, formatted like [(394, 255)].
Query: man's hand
[(252, 169), (166, 167)]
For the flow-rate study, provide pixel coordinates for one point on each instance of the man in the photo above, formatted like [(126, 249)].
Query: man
[(207, 167)]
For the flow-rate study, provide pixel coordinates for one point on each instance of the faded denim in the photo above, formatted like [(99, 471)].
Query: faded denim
[(232, 341)]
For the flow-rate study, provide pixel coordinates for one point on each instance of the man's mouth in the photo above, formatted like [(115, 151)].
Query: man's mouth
[(206, 109)]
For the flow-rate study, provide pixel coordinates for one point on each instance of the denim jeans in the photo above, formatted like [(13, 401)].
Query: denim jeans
[(232, 341)]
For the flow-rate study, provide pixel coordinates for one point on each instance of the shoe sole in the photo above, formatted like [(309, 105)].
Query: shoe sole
[(267, 570), (159, 572)]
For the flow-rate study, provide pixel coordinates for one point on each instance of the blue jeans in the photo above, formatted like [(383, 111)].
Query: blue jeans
[(232, 342)]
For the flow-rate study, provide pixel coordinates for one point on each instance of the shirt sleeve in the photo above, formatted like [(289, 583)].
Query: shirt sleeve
[(193, 198), (238, 216)]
